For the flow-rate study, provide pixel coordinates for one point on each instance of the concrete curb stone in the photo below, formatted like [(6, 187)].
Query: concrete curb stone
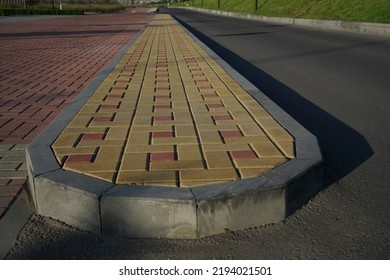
[(149, 212), (145, 211)]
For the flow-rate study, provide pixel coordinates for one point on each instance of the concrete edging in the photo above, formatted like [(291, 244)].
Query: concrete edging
[(109, 209), (337, 25)]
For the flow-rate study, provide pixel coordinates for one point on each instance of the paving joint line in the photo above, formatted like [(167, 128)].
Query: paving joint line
[(193, 212)]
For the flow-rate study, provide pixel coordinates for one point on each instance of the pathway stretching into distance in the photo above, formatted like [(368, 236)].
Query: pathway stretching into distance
[(169, 115), (336, 85), (44, 64)]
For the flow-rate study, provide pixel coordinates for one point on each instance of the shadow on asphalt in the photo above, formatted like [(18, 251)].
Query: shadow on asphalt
[(343, 148)]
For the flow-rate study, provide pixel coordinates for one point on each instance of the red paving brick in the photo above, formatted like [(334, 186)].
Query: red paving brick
[(109, 107), (93, 136), (231, 133), (243, 154), (162, 106), (216, 105), (75, 159), (44, 64), (102, 119), (9, 190), (162, 157), (222, 117), (163, 118), (163, 134), (5, 201), (209, 95)]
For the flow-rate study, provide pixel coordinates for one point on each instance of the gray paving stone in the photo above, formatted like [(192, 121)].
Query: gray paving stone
[(20, 147), (12, 174), (5, 147), (13, 158), (10, 166), (23, 167)]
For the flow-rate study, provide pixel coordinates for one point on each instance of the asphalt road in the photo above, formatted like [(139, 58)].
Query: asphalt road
[(335, 84)]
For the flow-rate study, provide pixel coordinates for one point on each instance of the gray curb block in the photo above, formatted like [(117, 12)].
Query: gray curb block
[(109, 209), (337, 25)]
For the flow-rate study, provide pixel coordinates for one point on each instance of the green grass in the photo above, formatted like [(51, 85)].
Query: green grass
[(95, 7), (67, 9), (347, 10)]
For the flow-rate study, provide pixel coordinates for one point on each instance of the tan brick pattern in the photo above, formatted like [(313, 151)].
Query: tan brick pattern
[(169, 115)]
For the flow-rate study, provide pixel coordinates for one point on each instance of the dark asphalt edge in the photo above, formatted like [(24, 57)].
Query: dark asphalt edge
[(100, 207)]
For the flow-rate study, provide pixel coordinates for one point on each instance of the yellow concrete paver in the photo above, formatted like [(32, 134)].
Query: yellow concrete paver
[(227, 174), (266, 149), (131, 148), (263, 162), (109, 154), (169, 115), (252, 172), (177, 165), (217, 160), (135, 162), (146, 178)]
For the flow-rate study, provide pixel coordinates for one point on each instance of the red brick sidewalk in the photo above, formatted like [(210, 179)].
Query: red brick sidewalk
[(44, 64)]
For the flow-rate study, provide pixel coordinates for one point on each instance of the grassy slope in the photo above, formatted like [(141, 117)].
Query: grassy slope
[(349, 10), (47, 8)]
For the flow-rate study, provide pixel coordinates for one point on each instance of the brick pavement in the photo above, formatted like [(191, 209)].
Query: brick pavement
[(44, 64), (169, 115)]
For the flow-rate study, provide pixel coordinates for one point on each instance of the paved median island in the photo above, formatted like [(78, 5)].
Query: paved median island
[(169, 141)]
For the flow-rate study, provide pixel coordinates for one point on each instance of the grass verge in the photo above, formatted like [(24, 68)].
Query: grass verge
[(346, 10)]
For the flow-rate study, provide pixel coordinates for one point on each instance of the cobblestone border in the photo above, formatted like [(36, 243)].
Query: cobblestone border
[(109, 209)]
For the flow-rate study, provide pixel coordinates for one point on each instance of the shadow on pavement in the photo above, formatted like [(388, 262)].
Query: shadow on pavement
[(343, 148)]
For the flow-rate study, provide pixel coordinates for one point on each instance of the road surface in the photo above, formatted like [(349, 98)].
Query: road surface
[(337, 86)]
